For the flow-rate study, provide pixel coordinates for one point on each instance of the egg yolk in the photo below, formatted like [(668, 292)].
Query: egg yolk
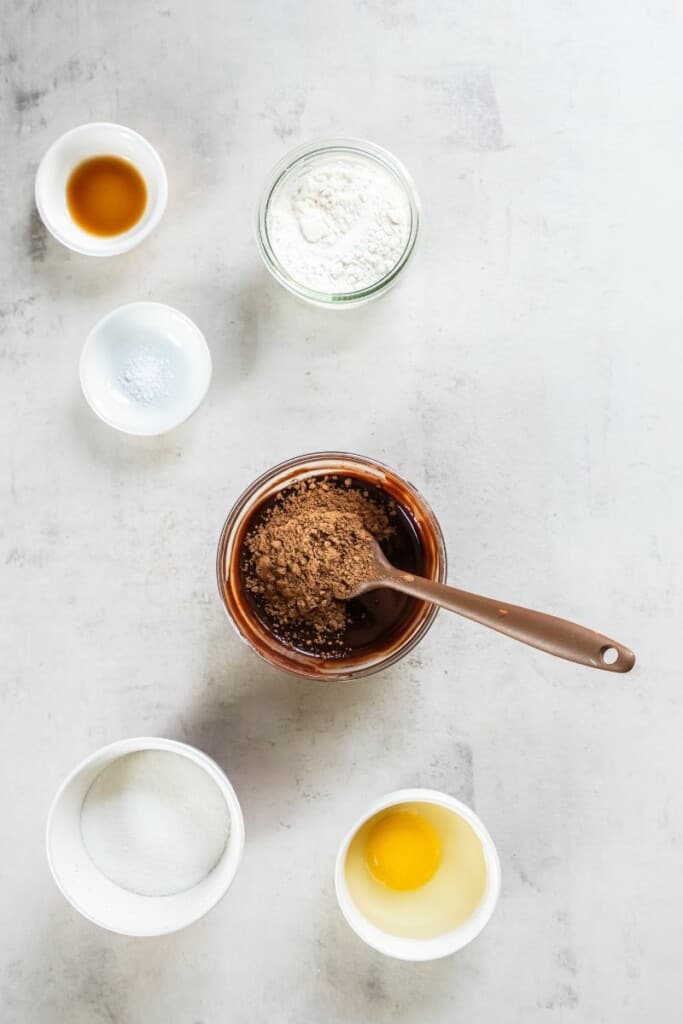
[(402, 850)]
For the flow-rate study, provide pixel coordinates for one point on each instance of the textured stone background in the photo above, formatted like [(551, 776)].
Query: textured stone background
[(526, 375)]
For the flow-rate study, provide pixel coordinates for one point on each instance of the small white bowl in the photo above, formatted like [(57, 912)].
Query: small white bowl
[(145, 368), (71, 149), (102, 901), (442, 945)]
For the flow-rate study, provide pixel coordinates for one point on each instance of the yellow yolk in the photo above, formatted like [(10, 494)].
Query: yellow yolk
[(402, 850)]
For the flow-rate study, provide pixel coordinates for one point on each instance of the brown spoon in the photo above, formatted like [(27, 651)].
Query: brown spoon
[(545, 632)]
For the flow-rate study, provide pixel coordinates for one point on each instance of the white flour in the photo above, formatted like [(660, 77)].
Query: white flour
[(146, 376), (154, 823), (340, 225)]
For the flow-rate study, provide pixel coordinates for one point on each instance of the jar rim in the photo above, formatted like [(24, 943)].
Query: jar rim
[(277, 175)]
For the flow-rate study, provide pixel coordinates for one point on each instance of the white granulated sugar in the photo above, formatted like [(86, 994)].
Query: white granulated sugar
[(340, 225), (155, 823), (146, 376)]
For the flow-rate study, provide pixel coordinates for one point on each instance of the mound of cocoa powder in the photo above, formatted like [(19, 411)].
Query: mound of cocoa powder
[(308, 548)]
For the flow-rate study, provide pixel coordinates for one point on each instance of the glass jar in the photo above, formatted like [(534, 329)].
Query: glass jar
[(239, 606), (305, 158)]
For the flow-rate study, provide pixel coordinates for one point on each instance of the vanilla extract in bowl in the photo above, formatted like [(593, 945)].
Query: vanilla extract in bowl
[(106, 195), (286, 579)]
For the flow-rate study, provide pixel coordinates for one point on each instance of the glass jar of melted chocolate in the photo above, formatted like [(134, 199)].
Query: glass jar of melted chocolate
[(350, 638), (290, 581)]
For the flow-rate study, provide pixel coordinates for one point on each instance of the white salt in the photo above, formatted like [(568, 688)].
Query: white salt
[(146, 376)]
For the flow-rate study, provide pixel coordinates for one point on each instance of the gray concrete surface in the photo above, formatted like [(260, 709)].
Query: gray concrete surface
[(530, 371)]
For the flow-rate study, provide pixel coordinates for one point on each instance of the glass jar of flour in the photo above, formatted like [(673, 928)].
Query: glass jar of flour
[(338, 221)]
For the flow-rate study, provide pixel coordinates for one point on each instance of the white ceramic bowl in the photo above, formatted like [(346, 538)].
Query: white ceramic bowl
[(71, 149), (102, 901), (442, 945), (145, 368)]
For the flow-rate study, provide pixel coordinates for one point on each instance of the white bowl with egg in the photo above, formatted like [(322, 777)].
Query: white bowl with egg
[(417, 876), (145, 368), (72, 149), (132, 862)]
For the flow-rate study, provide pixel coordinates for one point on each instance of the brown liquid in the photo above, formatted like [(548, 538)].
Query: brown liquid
[(106, 195), (372, 618)]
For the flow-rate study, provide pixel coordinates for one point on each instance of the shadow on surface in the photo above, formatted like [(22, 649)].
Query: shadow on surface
[(263, 727), (125, 451)]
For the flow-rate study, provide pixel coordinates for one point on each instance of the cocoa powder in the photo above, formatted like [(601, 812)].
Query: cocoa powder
[(308, 551)]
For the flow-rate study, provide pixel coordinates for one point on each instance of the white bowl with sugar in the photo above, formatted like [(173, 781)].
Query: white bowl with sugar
[(145, 836), (145, 368)]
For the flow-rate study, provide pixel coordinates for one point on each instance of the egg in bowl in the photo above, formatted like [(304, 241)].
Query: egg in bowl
[(418, 876)]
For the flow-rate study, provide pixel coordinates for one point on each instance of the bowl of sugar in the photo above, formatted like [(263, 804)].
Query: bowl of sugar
[(145, 368), (145, 836)]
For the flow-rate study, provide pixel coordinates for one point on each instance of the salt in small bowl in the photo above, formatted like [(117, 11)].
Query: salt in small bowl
[(145, 368)]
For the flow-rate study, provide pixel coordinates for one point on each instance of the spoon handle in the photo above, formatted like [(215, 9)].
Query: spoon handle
[(545, 632)]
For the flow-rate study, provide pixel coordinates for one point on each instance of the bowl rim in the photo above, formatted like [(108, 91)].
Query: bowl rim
[(89, 342), (401, 947), (120, 748), (113, 245), (280, 170)]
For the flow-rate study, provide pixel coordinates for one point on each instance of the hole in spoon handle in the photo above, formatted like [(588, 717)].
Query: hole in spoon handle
[(615, 658)]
